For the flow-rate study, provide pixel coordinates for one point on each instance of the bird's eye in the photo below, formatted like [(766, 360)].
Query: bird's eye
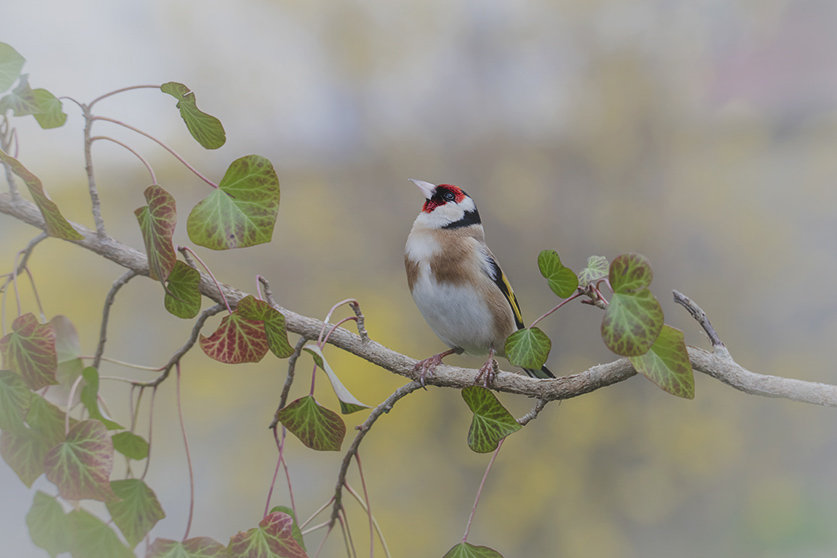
[(448, 196)]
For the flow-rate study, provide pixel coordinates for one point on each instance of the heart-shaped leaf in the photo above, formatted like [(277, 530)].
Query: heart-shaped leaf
[(467, 550), (198, 547), (562, 280), (50, 110), (254, 309), (81, 465), (348, 402), (237, 340), (242, 211), (29, 350), (91, 538), (491, 422), (25, 450), (273, 538), (157, 221), (130, 445), (137, 512), (317, 427), (667, 364), (528, 348), (183, 296), (48, 525), (11, 62), (295, 531), (596, 270), (630, 272), (56, 224), (205, 128)]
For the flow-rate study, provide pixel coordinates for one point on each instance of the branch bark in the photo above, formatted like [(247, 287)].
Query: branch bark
[(717, 364)]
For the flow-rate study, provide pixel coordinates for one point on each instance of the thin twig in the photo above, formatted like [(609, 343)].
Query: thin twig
[(533, 414), (122, 90), (479, 490), (103, 330), (188, 457), (378, 530), (136, 154), (699, 315), (289, 380), (91, 179)]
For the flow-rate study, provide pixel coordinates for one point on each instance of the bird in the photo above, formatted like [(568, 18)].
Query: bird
[(457, 283)]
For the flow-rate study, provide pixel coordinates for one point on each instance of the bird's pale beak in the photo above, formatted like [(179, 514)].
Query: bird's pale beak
[(426, 188)]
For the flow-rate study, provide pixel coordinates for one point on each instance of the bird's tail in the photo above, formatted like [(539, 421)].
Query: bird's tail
[(542, 373)]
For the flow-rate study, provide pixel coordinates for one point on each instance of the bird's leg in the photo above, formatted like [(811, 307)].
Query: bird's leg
[(428, 366), (488, 370)]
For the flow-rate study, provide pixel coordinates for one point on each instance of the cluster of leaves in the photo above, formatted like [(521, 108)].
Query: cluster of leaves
[(632, 326), (23, 100)]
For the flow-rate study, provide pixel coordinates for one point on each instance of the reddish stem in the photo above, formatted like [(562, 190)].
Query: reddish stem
[(479, 490), (188, 457)]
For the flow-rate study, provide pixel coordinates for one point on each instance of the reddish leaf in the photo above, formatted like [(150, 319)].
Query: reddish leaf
[(273, 538), (254, 309), (56, 224), (315, 426), (14, 401), (236, 340), (24, 451), (198, 547), (29, 350), (80, 467), (157, 221)]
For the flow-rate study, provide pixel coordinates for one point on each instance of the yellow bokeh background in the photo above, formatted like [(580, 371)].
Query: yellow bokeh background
[(701, 134)]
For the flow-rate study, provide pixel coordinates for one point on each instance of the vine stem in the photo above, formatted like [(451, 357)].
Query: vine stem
[(174, 153), (122, 90), (137, 155), (479, 490), (368, 506), (103, 330), (70, 405), (563, 302), (280, 445), (188, 456), (21, 263)]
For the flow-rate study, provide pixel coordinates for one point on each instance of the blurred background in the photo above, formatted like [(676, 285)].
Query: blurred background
[(701, 134)]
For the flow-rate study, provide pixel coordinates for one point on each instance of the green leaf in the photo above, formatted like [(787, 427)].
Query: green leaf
[(130, 445), (24, 451), (206, 129), (562, 280), (467, 550), (297, 534), (273, 538), (596, 270), (56, 224), (315, 426), (11, 62), (50, 110), (14, 401), (48, 525), (667, 364), (236, 340), (630, 273), (183, 297), (21, 99), (29, 350), (137, 512), (491, 422), (348, 402), (157, 221), (528, 348), (242, 211), (91, 538), (90, 398), (198, 547), (257, 310), (80, 466)]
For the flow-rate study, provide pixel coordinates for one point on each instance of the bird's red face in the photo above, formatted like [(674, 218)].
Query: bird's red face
[(443, 194)]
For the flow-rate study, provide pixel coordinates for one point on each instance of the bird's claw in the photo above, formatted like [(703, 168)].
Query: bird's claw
[(427, 367), (487, 373)]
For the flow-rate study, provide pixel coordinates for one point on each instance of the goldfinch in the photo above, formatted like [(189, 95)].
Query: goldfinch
[(457, 283)]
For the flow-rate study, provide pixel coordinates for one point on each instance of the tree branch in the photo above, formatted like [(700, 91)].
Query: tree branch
[(718, 364)]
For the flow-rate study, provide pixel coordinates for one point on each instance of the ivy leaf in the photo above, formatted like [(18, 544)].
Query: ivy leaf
[(198, 547), (491, 422), (596, 270), (11, 62), (56, 224), (634, 317), (24, 451), (81, 465), (14, 401), (242, 211), (29, 350), (206, 129), (183, 297), (254, 309), (348, 403), (21, 99), (90, 398), (48, 525), (130, 445), (50, 110), (467, 550), (273, 538), (295, 531), (667, 364), (317, 427), (91, 538), (562, 280), (528, 348), (236, 340), (137, 512), (157, 221)]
